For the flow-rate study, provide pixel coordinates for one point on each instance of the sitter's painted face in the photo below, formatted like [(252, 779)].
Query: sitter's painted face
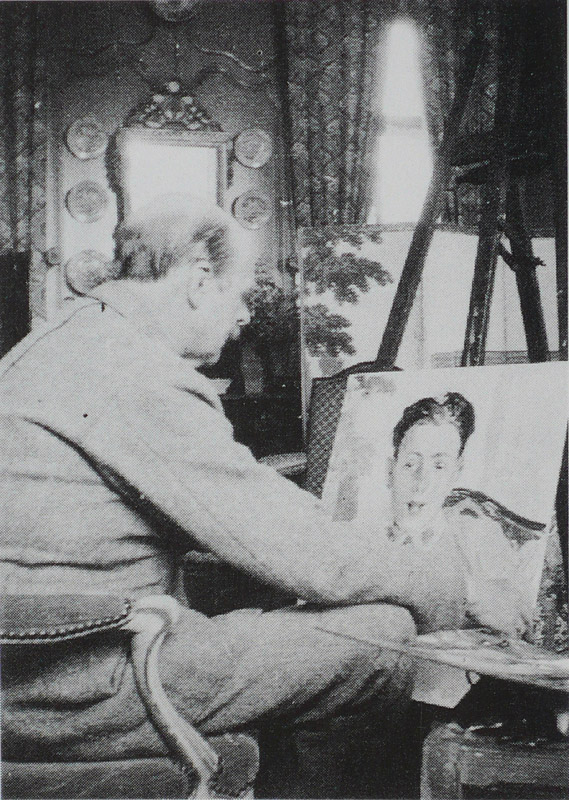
[(423, 474)]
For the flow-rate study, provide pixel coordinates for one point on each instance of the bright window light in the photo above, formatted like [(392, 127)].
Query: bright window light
[(404, 153)]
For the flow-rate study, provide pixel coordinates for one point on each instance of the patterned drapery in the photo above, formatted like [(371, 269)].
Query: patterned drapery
[(447, 27), (333, 51), (23, 143), (330, 50)]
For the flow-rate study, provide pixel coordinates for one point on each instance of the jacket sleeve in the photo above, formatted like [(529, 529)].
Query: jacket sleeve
[(169, 447)]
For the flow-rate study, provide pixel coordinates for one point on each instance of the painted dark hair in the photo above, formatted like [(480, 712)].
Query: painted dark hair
[(453, 408)]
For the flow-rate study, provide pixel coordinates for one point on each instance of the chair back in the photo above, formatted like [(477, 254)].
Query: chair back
[(41, 619), (326, 399)]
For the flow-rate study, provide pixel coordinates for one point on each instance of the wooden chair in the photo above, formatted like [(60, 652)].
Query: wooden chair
[(459, 762), (326, 399), (194, 769)]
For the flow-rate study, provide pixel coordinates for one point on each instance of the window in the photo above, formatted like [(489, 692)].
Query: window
[(404, 160)]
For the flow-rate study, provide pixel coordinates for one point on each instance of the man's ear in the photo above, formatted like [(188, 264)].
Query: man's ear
[(198, 280)]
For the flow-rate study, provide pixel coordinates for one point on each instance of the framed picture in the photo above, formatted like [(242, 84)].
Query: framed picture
[(156, 162)]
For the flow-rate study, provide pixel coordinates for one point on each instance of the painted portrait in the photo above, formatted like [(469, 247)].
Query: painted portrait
[(447, 458)]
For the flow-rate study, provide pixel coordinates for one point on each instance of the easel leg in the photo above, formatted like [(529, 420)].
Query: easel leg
[(511, 26), (526, 278)]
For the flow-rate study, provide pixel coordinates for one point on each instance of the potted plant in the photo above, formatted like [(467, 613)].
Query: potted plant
[(273, 332)]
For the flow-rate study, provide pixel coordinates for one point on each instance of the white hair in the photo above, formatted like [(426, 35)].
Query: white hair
[(153, 238)]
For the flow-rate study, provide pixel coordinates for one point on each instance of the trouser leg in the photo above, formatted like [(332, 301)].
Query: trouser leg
[(255, 668), (325, 704)]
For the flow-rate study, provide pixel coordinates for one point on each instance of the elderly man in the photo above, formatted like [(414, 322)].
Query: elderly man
[(117, 458)]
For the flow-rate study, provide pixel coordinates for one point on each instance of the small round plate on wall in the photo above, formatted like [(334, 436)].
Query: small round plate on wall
[(86, 138), (87, 201), (86, 270), (253, 147), (253, 209)]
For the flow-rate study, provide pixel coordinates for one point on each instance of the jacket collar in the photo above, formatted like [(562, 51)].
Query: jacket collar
[(122, 300)]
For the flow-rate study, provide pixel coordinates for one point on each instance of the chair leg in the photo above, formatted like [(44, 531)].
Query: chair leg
[(440, 769)]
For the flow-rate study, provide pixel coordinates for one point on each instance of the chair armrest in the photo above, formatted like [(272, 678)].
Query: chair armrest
[(230, 769), (151, 619)]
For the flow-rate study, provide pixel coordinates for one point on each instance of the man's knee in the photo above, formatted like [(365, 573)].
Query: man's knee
[(377, 641), (383, 635)]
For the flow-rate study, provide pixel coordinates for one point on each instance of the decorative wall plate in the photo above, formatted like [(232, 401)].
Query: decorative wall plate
[(253, 147), (87, 201), (253, 209), (86, 138), (87, 269)]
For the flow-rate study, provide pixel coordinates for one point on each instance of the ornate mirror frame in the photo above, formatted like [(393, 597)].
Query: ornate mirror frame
[(154, 162)]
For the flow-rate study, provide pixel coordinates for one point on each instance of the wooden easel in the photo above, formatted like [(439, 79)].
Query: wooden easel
[(502, 211)]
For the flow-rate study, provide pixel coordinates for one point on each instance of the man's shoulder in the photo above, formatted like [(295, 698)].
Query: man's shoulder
[(77, 352), (78, 321), (93, 354)]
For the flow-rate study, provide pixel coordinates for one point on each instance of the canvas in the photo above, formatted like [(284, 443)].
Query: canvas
[(349, 275), (511, 462)]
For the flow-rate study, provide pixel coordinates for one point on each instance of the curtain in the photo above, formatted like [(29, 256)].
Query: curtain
[(23, 151), (447, 27), (330, 55), (332, 50)]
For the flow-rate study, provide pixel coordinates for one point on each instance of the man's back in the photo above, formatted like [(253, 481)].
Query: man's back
[(65, 523)]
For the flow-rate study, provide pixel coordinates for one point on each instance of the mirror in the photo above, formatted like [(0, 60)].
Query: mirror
[(155, 162)]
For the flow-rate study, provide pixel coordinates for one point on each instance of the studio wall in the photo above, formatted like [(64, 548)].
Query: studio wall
[(108, 58)]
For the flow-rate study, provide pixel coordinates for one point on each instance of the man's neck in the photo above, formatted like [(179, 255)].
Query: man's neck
[(137, 301)]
